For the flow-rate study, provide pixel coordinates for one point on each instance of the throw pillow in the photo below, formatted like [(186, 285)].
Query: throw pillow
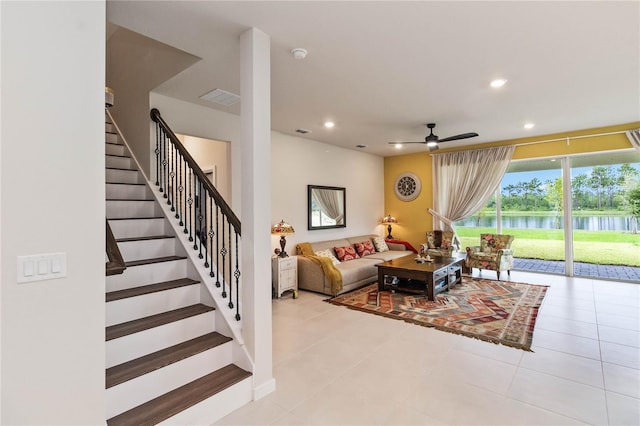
[(327, 253), (346, 253), (381, 244), (365, 248)]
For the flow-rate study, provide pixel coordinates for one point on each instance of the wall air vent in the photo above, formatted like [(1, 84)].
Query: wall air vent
[(361, 146), (303, 131), (221, 97)]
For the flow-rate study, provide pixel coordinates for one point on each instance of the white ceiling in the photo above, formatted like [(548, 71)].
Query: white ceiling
[(383, 69)]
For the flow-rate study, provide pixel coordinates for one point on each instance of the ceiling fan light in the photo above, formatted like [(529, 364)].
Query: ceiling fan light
[(431, 144)]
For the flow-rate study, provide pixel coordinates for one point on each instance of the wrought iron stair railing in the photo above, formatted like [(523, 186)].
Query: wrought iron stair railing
[(201, 212)]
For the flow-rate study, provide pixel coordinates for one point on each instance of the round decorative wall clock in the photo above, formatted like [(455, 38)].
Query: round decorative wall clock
[(407, 187)]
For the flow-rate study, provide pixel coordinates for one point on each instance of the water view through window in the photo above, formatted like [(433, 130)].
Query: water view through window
[(530, 205)]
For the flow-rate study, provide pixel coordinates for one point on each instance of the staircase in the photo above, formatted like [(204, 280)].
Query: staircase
[(166, 363)]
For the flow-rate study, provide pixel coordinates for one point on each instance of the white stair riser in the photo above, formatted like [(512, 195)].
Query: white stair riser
[(113, 149), (135, 228), (135, 276), (145, 342), (109, 127), (216, 407), (147, 249), (129, 209), (110, 137), (127, 191), (137, 391), (118, 162), (123, 176), (131, 308)]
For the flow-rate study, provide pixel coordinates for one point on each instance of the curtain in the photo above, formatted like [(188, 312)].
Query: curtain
[(464, 181), (330, 201), (634, 138)]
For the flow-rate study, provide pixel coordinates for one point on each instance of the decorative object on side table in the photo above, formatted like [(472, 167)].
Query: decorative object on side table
[(282, 228), (388, 220)]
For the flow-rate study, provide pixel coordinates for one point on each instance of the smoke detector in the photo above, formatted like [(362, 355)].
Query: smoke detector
[(299, 53)]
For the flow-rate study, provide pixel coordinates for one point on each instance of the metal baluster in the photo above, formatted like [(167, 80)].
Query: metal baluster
[(236, 274), (171, 185), (165, 162), (230, 263), (180, 207), (223, 252), (157, 151), (203, 207), (190, 202), (196, 234), (162, 143), (217, 245), (211, 273)]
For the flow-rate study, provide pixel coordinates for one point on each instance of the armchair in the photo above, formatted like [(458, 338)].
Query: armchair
[(439, 243), (493, 253)]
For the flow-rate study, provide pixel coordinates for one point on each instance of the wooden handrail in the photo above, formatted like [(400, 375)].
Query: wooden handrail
[(116, 264), (213, 192)]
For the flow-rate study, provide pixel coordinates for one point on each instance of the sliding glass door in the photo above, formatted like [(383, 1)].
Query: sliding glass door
[(569, 215), (604, 230)]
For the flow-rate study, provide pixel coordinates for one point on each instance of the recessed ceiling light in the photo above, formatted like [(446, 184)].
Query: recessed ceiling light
[(497, 83), (529, 126), (398, 145), (329, 124)]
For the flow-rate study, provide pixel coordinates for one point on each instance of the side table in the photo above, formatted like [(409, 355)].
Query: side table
[(284, 275)]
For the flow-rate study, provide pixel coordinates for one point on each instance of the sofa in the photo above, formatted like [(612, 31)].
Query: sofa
[(355, 272)]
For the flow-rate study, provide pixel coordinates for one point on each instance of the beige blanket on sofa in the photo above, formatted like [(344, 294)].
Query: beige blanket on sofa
[(330, 271)]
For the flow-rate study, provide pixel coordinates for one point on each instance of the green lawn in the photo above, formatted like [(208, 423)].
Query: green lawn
[(601, 247)]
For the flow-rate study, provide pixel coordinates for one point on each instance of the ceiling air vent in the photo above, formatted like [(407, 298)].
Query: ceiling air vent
[(303, 131), (221, 97)]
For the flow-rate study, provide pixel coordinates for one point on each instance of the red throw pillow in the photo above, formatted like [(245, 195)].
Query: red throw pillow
[(365, 248), (346, 253)]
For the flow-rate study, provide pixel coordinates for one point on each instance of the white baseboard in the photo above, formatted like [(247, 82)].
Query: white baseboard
[(264, 389)]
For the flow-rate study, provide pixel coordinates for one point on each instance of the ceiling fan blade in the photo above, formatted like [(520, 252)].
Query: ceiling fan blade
[(461, 136)]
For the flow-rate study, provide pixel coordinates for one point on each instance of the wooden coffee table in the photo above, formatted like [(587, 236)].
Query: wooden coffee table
[(439, 275)]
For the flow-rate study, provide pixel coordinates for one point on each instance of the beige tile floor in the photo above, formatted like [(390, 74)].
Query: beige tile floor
[(336, 366)]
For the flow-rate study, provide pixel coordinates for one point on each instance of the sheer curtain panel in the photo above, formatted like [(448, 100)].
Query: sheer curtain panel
[(464, 181)]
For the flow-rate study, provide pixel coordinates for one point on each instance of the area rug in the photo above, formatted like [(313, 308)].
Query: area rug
[(496, 311)]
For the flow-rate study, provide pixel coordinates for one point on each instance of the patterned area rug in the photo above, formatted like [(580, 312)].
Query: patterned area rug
[(496, 311)]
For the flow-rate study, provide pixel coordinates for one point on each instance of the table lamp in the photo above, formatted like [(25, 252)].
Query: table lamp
[(388, 220), (282, 228)]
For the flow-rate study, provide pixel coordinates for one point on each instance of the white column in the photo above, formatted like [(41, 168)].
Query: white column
[(255, 123)]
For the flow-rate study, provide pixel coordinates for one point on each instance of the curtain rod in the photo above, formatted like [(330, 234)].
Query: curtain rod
[(568, 138)]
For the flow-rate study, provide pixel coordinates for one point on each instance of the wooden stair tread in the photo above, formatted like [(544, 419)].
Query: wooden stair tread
[(150, 288), (130, 199), (124, 183), (151, 237), (121, 168), (153, 260), (136, 218), (135, 326), (171, 403), (154, 361)]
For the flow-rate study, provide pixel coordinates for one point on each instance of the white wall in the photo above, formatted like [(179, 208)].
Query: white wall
[(296, 163), (213, 157), (52, 197)]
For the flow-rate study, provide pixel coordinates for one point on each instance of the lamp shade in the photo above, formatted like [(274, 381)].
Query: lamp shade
[(282, 228), (389, 219)]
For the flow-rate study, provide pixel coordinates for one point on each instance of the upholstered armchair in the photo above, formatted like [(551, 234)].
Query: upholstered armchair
[(439, 243), (493, 253)]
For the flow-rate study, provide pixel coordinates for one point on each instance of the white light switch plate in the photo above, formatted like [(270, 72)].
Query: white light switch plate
[(39, 267)]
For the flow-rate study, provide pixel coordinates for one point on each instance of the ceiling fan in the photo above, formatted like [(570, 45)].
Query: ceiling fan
[(432, 140)]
